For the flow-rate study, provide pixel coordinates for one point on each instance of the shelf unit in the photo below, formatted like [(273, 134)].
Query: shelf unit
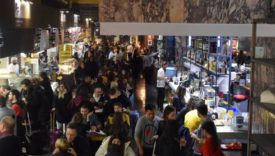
[(264, 138), (206, 48)]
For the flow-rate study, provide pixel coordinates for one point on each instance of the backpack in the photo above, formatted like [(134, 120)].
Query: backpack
[(184, 132)]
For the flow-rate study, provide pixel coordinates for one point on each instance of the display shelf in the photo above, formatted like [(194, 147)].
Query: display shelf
[(267, 106), (217, 55), (201, 66), (266, 142), (212, 54), (268, 62)]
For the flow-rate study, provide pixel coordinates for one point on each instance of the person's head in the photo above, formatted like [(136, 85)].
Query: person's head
[(181, 91), (98, 91), (71, 132), (114, 49), (114, 84), (2, 101), (87, 79), (193, 101), (43, 76), (82, 91), (99, 79), (77, 118), (202, 110), (85, 109), (26, 84), (5, 90), (115, 146), (150, 110), (14, 95), (118, 107), (7, 124), (112, 93), (81, 64), (62, 144), (14, 60), (62, 86), (169, 113), (209, 129), (164, 65)]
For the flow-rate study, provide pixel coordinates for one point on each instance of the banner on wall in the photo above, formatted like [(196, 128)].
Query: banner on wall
[(65, 52)]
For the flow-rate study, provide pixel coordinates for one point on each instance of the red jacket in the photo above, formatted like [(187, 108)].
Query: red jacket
[(207, 149)]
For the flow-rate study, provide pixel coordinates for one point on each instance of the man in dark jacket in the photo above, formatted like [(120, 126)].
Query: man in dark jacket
[(31, 99), (91, 68), (9, 144)]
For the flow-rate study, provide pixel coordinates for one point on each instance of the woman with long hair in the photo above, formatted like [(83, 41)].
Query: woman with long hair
[(62, 97), (169, 114), (211, 145), (179, 98), (17, 106)]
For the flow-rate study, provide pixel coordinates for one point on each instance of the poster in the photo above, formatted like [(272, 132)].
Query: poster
[(65, 52)]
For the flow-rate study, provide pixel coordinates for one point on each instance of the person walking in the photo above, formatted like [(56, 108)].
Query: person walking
[(161, 85)]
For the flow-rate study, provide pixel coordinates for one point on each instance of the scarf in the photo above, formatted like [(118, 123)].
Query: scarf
[(60, 94)]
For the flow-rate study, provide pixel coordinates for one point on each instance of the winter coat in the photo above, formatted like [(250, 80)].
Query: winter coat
[(61, 106)]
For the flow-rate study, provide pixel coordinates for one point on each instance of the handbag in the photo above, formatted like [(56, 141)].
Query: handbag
[(54, 132)]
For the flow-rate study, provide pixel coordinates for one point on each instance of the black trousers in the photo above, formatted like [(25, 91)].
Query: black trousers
[(161, 96), (147, 151)]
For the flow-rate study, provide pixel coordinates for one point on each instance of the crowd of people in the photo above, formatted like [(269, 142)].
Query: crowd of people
[(99, 100)]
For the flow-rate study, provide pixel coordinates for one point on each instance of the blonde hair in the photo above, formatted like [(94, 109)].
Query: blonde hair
[(8, 122), (62, 144)]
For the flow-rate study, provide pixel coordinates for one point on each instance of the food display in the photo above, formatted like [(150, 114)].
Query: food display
[(232, 146)]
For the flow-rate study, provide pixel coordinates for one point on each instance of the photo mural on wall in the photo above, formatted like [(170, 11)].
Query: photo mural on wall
[(141, 10), (179, 11)]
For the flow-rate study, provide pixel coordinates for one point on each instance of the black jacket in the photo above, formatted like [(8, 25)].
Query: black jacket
[(48, 90), (91, 68), (34, 105), (10, 146), (81, 146), (167, 147), (124, 100), (61, 106)]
